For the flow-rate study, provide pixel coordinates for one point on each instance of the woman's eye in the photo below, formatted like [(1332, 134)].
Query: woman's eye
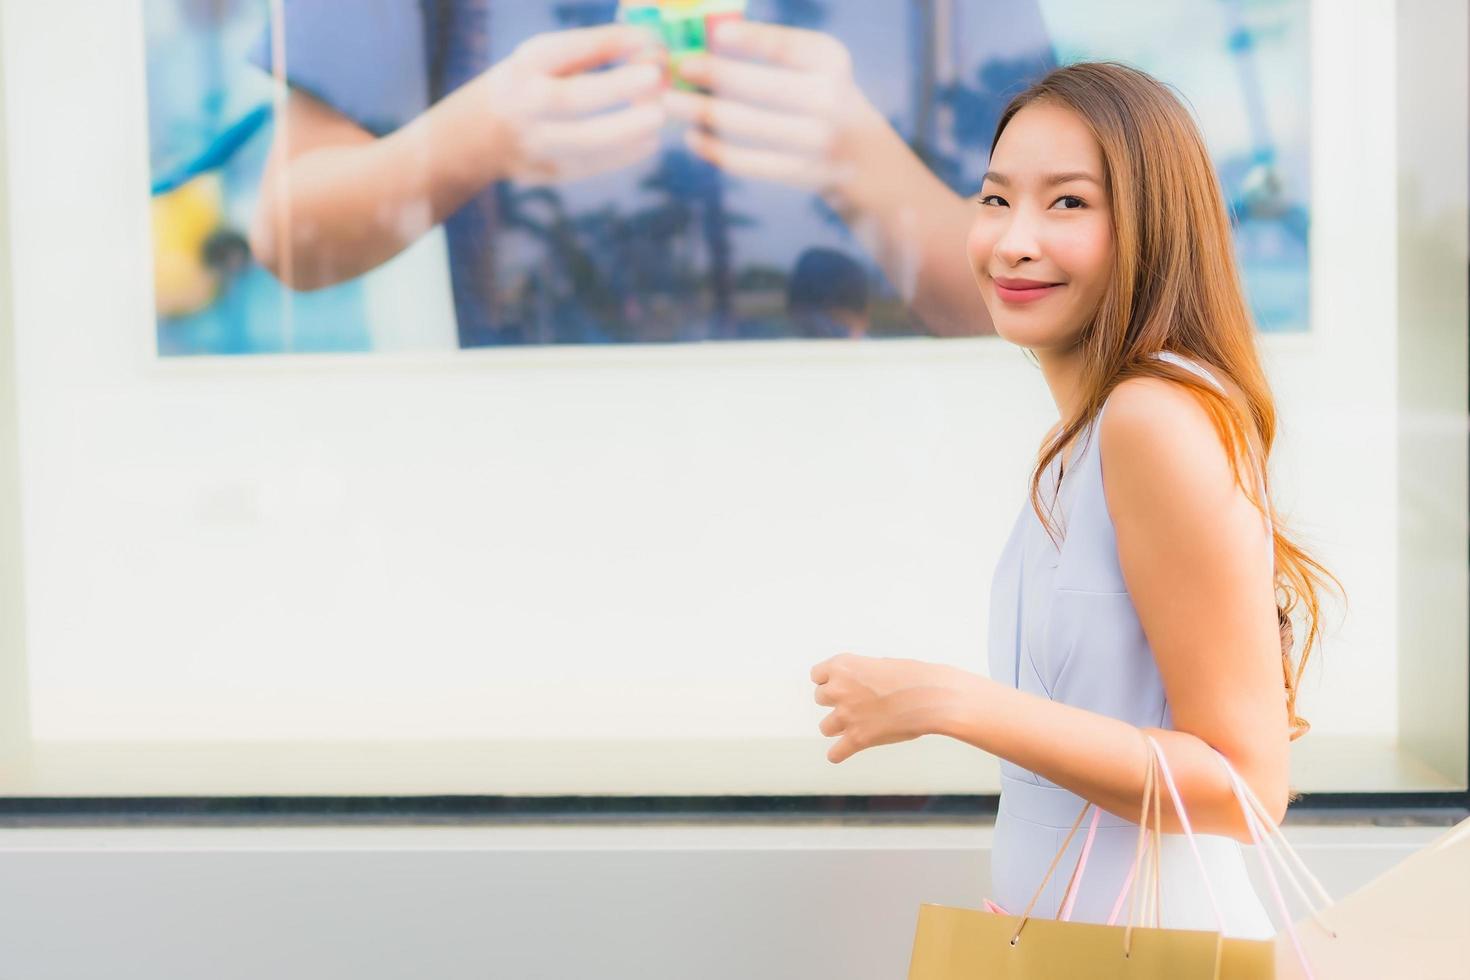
[(1070, 202), (993, 200)]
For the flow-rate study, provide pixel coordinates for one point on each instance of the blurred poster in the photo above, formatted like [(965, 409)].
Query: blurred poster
[(667, 248)]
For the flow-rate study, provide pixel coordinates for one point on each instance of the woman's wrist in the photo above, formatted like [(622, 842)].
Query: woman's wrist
[(954, 699)]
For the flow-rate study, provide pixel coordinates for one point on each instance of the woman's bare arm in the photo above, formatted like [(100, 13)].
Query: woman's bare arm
[(1196, 557)]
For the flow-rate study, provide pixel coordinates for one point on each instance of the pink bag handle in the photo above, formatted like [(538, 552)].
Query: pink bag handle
[(1157, 760), (1274, 835), (1256, 820), (1074, 883), (1265, 835), (1026, 915), (1069, 897), (1199, 861), (1156, 754)]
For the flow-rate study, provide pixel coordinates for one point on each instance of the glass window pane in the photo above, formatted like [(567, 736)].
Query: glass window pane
[(355, 454)]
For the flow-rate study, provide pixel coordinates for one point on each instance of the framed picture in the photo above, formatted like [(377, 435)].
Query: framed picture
[(665, 248)]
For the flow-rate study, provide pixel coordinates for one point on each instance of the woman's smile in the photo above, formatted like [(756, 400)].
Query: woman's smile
[(1024, 290)]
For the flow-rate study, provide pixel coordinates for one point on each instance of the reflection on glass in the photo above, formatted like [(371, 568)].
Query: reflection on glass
[(525, 172)]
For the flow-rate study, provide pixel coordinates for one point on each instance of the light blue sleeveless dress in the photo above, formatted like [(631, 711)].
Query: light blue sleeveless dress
[(1062, 626)]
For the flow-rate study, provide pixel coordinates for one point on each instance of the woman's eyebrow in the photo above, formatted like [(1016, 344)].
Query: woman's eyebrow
[(1066, 177)]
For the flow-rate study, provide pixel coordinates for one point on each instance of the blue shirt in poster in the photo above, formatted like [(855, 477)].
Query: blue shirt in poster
[(672, 250)]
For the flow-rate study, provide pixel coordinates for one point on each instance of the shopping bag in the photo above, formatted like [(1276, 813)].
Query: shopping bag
[(966, 944), (963, 944), (1411, 921)]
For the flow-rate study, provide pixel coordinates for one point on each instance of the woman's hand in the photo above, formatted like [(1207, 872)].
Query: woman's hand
[(783, 106), (879, 700)]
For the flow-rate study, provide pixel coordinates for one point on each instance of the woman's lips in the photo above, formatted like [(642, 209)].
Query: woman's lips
[(1027, 293)]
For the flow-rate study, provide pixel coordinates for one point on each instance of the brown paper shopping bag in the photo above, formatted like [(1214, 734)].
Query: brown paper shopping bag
[(965, 944), (961, 944)]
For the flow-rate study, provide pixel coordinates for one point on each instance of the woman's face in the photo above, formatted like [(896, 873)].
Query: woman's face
[(1042, 245)]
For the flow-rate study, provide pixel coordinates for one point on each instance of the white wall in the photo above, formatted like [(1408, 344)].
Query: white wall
[(578, 544)]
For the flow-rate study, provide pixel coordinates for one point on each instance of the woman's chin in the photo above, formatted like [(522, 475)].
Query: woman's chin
[(1028, 333)]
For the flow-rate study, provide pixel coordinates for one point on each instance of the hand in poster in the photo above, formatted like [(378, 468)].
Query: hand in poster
[(879, 700), (559, 120), (782, 106)]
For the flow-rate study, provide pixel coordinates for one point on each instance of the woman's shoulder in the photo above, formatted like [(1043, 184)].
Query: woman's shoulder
[(1154, 408), (1156, 436)]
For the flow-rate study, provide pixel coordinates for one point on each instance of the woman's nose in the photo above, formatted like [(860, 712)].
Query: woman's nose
[(1018, 242)]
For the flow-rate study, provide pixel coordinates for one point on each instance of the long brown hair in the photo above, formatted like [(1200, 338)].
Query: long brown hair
[(1175, 288)]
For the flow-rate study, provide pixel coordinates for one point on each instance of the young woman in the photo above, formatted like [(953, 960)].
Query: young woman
[(1146, 587)]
